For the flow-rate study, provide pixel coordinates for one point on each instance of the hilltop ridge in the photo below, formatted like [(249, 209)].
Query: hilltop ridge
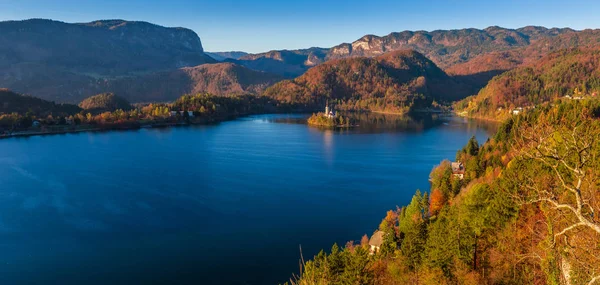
[(394, 82)]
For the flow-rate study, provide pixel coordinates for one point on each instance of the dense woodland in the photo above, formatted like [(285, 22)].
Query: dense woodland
[(480, 69), (107, 111), (570, 72), (11, 102), (525, 213), (396, 82), (104, 103)]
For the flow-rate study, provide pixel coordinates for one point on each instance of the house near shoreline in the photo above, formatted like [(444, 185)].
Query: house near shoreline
[(517, 110), (375, 242), (574, 97), (458, 170)]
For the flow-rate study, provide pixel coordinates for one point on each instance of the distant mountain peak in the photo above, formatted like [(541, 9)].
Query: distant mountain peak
[(223, 55)]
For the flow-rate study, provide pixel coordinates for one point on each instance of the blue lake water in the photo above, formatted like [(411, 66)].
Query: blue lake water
[(222, 204)]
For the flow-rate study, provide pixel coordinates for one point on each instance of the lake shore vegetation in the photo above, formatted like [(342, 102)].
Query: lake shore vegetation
[(523, 212)]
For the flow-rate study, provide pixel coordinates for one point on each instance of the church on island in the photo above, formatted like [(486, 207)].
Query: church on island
[(329, 112)]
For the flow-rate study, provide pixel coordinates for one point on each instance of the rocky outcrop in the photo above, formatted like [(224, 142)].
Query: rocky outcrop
[(105, 48), (446, 47)]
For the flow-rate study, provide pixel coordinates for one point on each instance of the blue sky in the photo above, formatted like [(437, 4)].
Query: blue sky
[(262, 25)]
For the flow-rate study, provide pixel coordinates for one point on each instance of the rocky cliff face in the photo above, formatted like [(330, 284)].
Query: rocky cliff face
[(68, 62), (445, 47), (105, 48)]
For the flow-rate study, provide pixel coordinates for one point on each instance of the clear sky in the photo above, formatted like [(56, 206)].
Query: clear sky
[(262, 25)]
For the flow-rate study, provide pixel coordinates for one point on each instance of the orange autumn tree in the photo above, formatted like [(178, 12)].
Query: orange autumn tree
[(390, 222), (437, 201)]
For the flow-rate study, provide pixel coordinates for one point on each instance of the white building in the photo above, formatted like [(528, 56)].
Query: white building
[(458, 170), (375, 242), (329, 112), (517, 110)]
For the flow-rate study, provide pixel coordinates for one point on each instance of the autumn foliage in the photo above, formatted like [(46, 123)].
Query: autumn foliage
[(570, 72), (394, 82), (437, 201), (528, 221)]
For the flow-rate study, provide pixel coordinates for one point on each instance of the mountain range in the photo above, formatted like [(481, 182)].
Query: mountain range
[(446, 48), (67, 62), (143, 62)]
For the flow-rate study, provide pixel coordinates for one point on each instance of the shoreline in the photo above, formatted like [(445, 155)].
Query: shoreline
[(133, 126), (137, 125), (207, 121), (422, 111), (390, 113), (336, 127), (477, 117)]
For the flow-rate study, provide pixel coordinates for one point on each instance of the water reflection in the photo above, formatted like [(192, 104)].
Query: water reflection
[(381, 123), (328, 146)]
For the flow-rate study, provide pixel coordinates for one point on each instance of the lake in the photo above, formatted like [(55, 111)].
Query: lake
[(229, 203)]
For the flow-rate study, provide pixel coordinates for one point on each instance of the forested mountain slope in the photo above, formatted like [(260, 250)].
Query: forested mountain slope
[(480, 69), (570, 72), (11, 102), (396, 82)]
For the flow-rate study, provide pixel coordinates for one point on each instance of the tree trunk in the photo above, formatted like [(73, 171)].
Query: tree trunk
[(565, 268), (475, 255)]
